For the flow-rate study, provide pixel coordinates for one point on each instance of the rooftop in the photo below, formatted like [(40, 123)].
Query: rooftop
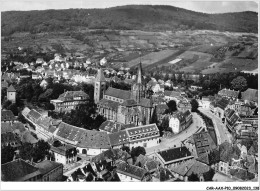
[(47, 166), (130, 170), (18, 170), (7, 115), (117, 93), (174, 154)]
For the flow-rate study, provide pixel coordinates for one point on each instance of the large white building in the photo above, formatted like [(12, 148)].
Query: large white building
[(144, 136)]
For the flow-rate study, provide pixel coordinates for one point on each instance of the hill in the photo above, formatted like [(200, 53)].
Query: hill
[(137, 17)]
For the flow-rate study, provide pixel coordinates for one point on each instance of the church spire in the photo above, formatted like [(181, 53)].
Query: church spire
[(100, 76), (139, 74)]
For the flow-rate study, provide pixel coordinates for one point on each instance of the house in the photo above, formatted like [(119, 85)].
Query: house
[(221, 106), (11, 94), (88, 142), (19, 170), (158, 88), (10, 138), (147, 163), (145, 136), (203, 143), (130, 173), (228, 152), (173, 156), (69, 100), (172, 95), (227, 93), (163, 175), (50, 171), (195, 88), (177, 122), (7, 116), (193, 170), (204, 103), (184, 105), (64, 154), (250, 95), (232, 119)]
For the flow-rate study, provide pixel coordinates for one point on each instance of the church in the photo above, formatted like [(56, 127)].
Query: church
[(122, 106)]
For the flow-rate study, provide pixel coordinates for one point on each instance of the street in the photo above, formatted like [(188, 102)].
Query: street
[(221, 130), (176, 140)]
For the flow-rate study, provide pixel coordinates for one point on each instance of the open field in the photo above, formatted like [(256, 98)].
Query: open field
[(232, 65), (152, 58)]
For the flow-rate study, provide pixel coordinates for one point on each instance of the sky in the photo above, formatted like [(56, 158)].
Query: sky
[(199, 6)]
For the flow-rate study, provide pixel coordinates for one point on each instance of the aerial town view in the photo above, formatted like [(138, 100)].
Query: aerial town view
[(129, 93)]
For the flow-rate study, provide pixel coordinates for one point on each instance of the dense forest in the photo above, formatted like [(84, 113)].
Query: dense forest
[(139, 17)]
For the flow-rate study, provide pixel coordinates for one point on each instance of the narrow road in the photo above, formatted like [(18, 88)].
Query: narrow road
[(223, 134), (176, 140)]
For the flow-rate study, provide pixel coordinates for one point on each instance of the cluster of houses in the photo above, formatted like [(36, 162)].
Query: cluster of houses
[(239, 115)]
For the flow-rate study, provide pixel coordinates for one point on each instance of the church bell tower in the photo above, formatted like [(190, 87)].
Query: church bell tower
[(100, 86), (138, 88)]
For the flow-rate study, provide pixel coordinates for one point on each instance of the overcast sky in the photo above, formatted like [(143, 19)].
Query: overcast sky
[(200, 6)]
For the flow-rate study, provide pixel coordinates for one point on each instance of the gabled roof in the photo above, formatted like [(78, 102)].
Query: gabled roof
[(228, 93), (130, 170), (198, 168), (11, 89), (183, 168), (146, 162), (70, 95), (18, 170), (108, 104), (34, 114), (47, 166), (117, 93), (203, 142), (250, 95), (129, 102), (144, 131), (62, 149), (82, 137), (27, 137), (118, 138), (174, 154), (7, 115)]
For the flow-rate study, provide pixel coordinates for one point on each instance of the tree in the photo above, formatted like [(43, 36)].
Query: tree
[(13, 107), (125, 148), (136, 151), (41, 150), (3, 94), (6, 104), (194, 105), (239, 83), (21, 118), (164, 126), (7, 154), (171, 106), (26, 151)]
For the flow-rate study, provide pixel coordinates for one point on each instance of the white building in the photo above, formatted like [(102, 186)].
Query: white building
[(65, 154)]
